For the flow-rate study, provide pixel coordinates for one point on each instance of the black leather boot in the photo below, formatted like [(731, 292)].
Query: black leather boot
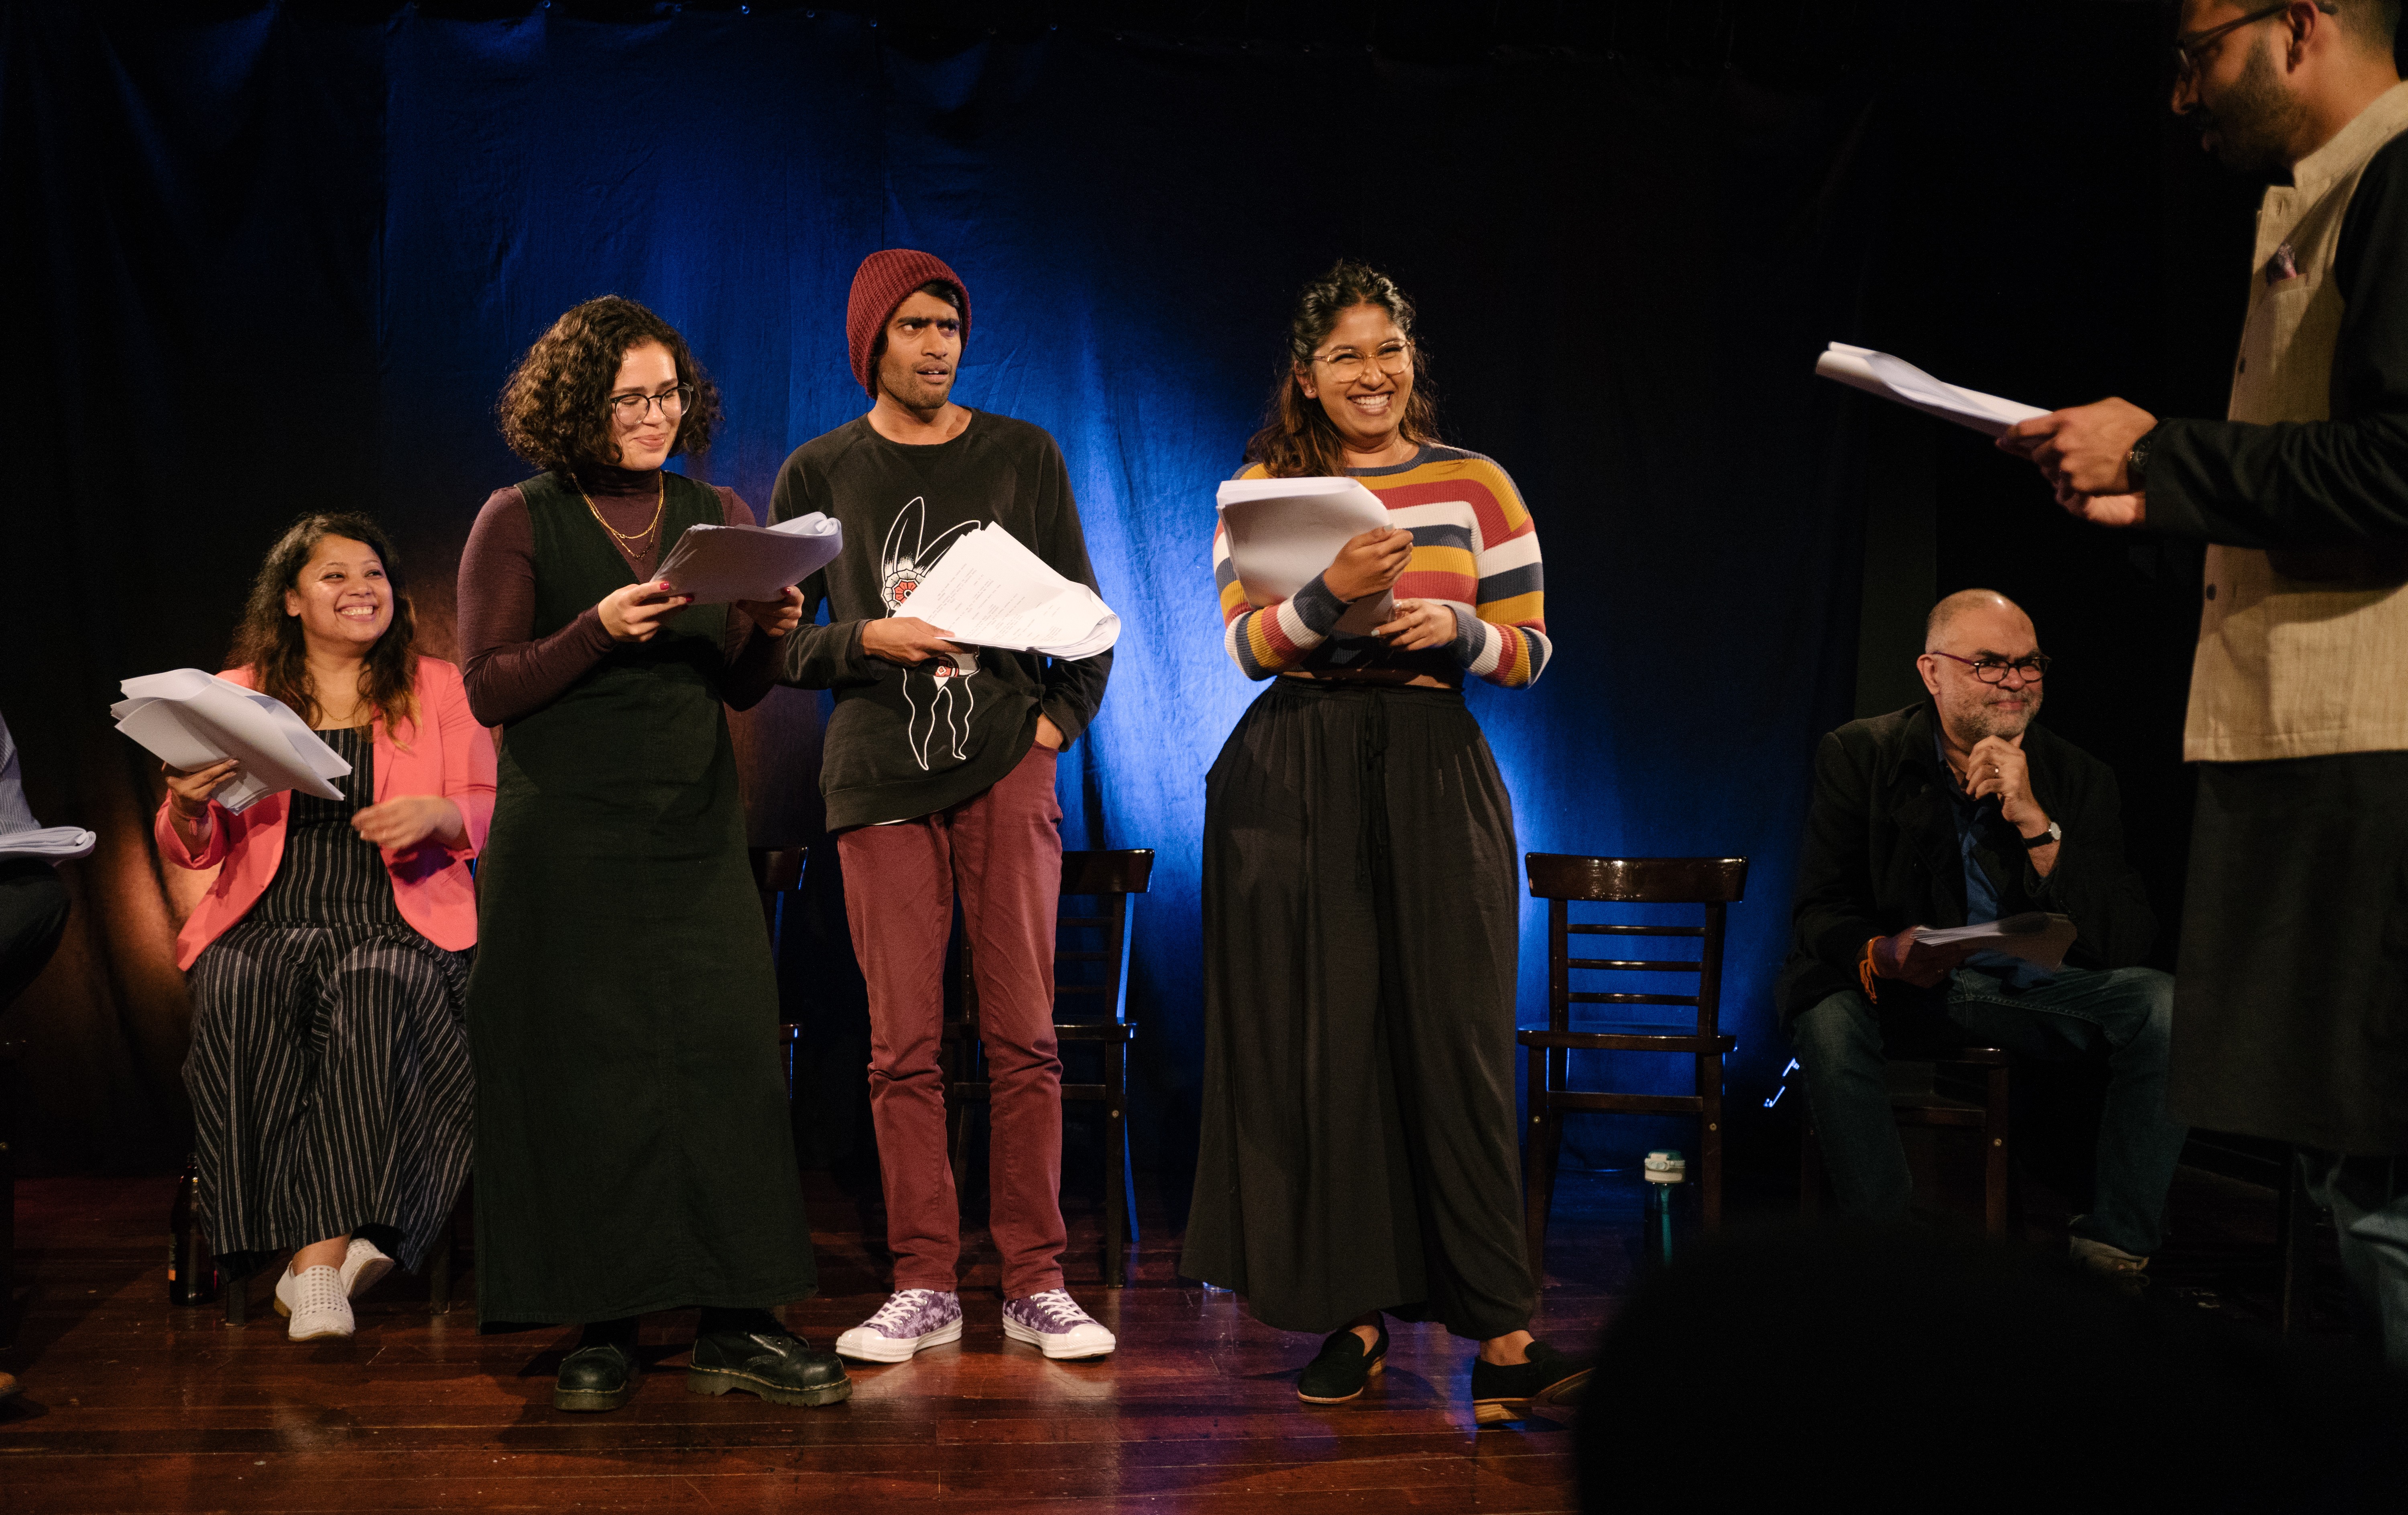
[(766, 1360), (600, 1375)]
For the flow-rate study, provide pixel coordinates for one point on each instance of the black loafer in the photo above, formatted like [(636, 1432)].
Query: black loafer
[(1343, 1370), (598, 1377), (1506, 1392), (780, 1367)]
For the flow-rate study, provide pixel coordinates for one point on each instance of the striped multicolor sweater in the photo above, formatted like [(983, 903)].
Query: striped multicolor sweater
[(1474, 547)]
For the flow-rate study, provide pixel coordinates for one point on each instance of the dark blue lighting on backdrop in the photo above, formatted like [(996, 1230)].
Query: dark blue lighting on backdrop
[(1618, 273)]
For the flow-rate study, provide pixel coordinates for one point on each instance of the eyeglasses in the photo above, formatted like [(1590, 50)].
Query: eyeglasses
[(1994, 670), (632, 408), (1346, 365), (2190, 48)]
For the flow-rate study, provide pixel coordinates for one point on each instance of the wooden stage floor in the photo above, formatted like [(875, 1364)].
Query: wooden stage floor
[(132, 1404)]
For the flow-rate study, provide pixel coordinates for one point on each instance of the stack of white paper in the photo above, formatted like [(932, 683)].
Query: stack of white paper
[(717, 565), (52, 842), (2037, 938), (1284, 532), (1894, 378), (188, 720), (990, 591)]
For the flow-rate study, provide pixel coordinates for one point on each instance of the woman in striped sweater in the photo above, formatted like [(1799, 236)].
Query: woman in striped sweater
[(329, 962), (1360, 914)]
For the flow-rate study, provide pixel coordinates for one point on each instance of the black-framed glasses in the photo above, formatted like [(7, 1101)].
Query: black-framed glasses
[(1994, 670), (1346, 365), (2190, 46), (633, 408)]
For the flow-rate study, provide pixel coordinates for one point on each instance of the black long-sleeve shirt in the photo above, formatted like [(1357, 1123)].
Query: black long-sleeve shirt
[(2342, 482), (908, 742)]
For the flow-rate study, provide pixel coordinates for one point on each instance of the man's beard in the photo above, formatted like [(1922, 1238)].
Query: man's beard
[(1977, 720), (2255, 123), (912, 391)]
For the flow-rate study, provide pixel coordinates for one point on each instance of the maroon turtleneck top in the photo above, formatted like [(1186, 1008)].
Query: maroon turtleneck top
[(511, 672)]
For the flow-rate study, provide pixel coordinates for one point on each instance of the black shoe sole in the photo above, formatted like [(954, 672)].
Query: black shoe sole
[(595, 1399), (1563, 1391), (700, 1381), (1378, 1366)]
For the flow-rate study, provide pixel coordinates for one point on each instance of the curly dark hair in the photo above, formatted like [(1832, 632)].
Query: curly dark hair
[(554, 411), (1298, 439), (271, 643)]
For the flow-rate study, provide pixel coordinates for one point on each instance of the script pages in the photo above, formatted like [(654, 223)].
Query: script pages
[(2040, 938), (1899, 380), (718, 565), (1284, 532), (188, 720), (52, 844), (990, 591)]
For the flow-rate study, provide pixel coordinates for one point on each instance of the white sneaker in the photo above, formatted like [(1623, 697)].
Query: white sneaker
[(1053, 1321), (316, 1302), (363, 1267), (909, 1320)]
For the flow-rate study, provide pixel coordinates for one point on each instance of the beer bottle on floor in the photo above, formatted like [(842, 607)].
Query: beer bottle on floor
[(1665, 1170), (191, 1273)]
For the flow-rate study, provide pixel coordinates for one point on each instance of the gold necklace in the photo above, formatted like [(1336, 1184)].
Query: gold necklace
[(627, 540)]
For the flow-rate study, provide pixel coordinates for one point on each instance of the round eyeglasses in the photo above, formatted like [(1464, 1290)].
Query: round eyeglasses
[(1346, 365), (632, 408)]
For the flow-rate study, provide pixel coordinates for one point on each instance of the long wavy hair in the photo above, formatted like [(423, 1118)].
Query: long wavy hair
[(269, 641), (1298, 439), (555, 410)]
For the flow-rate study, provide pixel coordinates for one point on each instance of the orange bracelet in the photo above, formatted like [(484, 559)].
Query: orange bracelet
[(1865, 969)]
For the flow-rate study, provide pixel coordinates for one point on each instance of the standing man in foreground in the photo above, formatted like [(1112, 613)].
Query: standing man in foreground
[(1952, 812), (939, 772), (2291, 1018)]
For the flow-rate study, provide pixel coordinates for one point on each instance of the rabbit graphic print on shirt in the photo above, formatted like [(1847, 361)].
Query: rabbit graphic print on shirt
[(939, 691)]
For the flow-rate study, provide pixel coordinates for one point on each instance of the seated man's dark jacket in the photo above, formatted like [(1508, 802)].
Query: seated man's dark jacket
[(1882, 854)]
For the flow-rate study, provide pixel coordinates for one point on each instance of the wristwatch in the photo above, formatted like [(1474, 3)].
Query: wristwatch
[(2136, 462), (2054, 835)]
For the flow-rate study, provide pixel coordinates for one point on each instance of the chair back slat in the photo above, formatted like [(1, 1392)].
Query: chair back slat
[(1602, 929), (1122, 871), (1601, 997), (1636, 880)]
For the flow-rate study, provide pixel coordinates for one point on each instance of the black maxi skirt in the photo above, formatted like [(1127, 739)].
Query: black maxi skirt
[(1359, 1141)]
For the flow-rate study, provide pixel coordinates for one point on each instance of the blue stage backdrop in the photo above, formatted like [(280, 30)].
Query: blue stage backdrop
[(281, 262)]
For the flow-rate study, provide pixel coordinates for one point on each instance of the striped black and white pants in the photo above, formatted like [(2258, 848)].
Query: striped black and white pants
[(330, 1083)]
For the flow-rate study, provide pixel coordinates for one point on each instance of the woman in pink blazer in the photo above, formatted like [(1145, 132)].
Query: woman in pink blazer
[(329, 962)]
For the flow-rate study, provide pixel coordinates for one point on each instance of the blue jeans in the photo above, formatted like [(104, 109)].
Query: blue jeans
[(2369, 1200), (2126, 1013)]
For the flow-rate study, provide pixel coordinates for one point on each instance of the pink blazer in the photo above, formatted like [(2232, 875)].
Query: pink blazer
[(444, 753)]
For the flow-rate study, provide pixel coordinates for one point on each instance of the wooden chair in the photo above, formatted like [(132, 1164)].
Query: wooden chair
[(1930, 1106), (1113, 879), (1713, 883), (778, 874)]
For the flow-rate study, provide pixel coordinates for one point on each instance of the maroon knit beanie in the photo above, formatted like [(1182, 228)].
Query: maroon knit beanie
[(882, 282)]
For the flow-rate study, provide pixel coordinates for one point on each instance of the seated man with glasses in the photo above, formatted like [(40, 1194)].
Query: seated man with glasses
[(1951, 812)]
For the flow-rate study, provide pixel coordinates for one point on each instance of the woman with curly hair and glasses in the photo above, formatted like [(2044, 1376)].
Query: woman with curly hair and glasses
[(633, 1146), (1360, 923), (329, 1069)]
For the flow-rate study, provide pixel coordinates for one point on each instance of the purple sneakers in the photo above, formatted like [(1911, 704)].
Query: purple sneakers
[(1054, 1322), (909, 1320)]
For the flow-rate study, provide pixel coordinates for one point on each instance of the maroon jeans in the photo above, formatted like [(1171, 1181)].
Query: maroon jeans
[(1003, 848)]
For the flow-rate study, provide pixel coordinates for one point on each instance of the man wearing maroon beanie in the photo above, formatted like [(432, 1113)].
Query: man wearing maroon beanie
[(938, 768)]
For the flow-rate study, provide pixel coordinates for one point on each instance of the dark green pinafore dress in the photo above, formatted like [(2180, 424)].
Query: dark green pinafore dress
[(633, 1146)]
